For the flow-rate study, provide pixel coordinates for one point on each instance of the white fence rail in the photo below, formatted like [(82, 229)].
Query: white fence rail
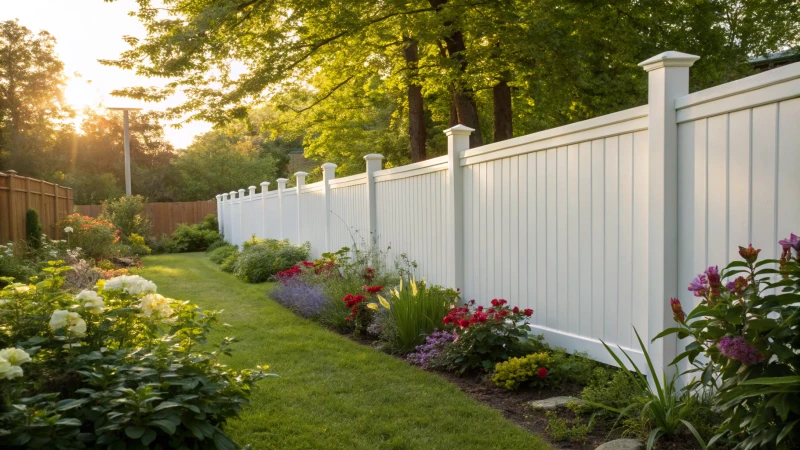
[(594, 225)]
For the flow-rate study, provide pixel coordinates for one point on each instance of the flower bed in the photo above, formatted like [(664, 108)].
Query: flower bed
[(120, 366)]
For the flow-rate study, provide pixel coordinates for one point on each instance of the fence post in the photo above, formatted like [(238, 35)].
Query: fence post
[(374, 163), (224, 218), (300, 177), (241, 216), (457, 141), (264, 190), (219, 215), (328, 174), (668, 79), (281, 188)]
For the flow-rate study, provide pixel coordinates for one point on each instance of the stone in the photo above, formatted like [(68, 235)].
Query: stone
[(550, 404), (621, 444)]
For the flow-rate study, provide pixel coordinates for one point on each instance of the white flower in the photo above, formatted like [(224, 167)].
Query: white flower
[(15, 356), (155, 305), (131, 284), (67, 229), (62, 318), (8, 370), (21, 288), (94, 303)]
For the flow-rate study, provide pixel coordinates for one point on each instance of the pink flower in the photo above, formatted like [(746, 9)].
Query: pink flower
[(677, 310), (737, 348), (793, 241)]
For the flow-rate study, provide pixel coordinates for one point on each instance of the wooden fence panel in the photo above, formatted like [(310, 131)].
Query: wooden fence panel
[(165, 217), (18, 194)]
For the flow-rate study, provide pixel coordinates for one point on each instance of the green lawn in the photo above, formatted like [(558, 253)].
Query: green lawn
[(332, 393)]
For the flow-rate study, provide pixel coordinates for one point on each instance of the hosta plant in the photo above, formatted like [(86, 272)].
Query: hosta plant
[(117, 367), (746, 325)]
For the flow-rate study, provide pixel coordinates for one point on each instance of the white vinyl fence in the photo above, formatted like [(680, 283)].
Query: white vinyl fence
[(594, 225)]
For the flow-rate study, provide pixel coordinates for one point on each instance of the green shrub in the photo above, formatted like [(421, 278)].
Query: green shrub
[(33, 229), (531, 370), (162, 245), (137, 245), (210, 223), (193, 238), (127, 214), (97, 238), (576, 368), (217, 244), (220, 254), (260, 260), (561, 429), (229, 263), (122, 367)]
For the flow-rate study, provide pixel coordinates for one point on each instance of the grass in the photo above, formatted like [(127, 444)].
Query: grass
[(332, 392)]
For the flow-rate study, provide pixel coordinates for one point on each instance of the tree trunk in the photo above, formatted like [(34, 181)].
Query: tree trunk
[(416, 107), (503, 127), (466, 109)]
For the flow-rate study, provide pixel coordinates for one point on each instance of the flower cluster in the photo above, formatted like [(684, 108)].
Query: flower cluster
[(93, 302), (72, 321), (130, 284), (155, 305), (465, 316), (430, 354), (353, 302), (735, 347), (373, 290), (706, 283), (10, 361), (285, 275), (530, 369)]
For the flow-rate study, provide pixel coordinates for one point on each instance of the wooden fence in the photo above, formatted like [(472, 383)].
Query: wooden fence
[(165, 217), (18, 194)]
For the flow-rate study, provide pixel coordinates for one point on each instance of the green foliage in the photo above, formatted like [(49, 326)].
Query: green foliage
[(261, 259), (664, 409), (561, 429), (138, 245), (122, 367), (229, 263), (127, 214), (93, 188), (747, 329), (33, 229), (97, 238), (191, 238), (221, 253), (217, 244), (415, 310), (529, 370), (576, 368)]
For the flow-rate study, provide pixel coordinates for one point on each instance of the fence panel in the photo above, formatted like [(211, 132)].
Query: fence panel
[(18, 194), (594, 225)]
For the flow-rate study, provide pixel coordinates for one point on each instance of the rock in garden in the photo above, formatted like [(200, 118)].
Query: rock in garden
[(550, 404), (621, 444)]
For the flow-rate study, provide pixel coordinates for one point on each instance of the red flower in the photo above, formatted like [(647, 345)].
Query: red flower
[(677, 310), (495, 302), (464, 323), (542, 372), (515, 310), (447, 320), (308, 263), (528, 312), (373, 289), (503, 312)]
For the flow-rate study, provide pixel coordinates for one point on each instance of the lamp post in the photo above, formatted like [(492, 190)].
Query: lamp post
[(127, 143)]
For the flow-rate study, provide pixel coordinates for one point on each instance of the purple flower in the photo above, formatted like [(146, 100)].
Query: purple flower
[(736, 348), (792, 242), (306, 299), (731, 286), (698, 285), (428, 355)]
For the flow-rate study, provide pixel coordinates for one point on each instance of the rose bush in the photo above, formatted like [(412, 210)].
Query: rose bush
[(119, 367), (97, 238)]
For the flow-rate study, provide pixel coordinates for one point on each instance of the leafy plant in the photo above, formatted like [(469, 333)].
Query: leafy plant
[(529, 370), (120, 367), (138, 245), (33, 229), (416, 310), (664, 409), (191, 238), (432, 354), (561, 429), (127, 213), (218, 255), (261, 259), (97, 238), (747, 329)]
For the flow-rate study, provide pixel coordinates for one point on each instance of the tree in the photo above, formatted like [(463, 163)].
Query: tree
[(32, 112)]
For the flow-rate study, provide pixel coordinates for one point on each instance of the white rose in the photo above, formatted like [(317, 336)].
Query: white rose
[(62, 318), (67, 229), (94, 303), (14, 372), (15, 356), (155, 305), (5, 367), (131, 284)]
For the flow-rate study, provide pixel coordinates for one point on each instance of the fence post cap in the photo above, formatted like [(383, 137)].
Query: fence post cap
[(329, 165), (241, 193), (300, 174), (458, 130), (233, 193), (282, 180), (265, 183), (373, 157), (669, 59), (12, 172)]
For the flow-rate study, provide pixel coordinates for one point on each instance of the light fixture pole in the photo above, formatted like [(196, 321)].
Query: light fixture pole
[(127, 143)]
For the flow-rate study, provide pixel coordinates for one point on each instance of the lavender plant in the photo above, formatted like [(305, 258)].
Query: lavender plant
[(431, 354), (304, 298)]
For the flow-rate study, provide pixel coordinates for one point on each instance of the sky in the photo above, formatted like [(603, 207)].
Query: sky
[(88, 30)]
